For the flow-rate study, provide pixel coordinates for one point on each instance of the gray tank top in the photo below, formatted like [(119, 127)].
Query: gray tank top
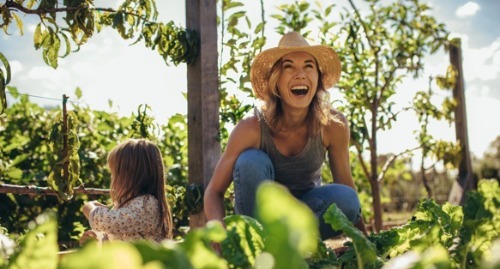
[(299, 173)]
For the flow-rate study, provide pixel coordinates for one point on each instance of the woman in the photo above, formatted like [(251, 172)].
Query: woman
[(287, 140)]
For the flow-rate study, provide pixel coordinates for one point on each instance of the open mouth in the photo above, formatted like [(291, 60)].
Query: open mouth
[(300, 90)]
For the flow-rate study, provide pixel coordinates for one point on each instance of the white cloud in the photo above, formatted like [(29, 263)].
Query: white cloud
[(50, 79), (31, 28), (467, 10), (15, 67), (482, 63), (40, 72), (482, 129)]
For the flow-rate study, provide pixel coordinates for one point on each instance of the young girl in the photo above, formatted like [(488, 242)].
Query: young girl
[(139, 209)]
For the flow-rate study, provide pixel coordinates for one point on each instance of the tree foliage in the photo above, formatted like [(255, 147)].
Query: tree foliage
[(29, 136), (489, 165), (64, 27), (377, 50)]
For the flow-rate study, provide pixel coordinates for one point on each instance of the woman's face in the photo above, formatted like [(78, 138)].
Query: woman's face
[(298, 80)]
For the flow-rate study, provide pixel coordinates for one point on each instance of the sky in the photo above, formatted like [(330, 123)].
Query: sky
[(110, 68)]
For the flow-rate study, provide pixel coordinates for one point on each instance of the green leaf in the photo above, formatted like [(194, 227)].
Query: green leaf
[(3, 97), (168, 254), (244, 241), (67, 45), (434, 257), (112, 255), (197, 248), (366, 253), (38, 36), (19, 22), (290, 228), (14, 173), (39, 247), (4, 80), (7, 69), (78, 93)]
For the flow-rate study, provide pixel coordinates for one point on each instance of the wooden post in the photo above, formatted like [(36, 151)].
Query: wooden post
[(203, 98), (465, 179)]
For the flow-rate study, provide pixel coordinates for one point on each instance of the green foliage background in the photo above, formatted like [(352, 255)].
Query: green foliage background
[(24, 159)]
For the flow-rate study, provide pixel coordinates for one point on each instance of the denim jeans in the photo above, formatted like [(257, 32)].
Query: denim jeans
[(253, 167)]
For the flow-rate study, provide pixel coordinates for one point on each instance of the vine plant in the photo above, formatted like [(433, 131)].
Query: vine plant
[(64, 144)]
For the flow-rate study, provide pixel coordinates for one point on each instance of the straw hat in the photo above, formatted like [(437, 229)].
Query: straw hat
[(328, 62)]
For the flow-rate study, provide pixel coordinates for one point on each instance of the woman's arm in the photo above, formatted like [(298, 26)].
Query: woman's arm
[(245, 135), (337, 136)]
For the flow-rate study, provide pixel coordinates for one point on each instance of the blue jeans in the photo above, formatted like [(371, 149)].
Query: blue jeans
[(253, 167)]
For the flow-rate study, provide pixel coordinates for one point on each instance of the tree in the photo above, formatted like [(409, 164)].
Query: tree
[(436, 150), (377, 51), (489, 165)]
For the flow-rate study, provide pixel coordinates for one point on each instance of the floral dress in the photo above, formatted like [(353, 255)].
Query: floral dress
[(138, 219)]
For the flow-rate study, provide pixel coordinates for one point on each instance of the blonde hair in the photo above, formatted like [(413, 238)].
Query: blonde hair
[(318, 115), (137, 169)]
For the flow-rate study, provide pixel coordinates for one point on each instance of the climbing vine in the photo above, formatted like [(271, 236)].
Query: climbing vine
[(64, 144)]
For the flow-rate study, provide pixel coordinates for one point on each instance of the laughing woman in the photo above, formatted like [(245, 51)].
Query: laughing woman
[(288, 139)]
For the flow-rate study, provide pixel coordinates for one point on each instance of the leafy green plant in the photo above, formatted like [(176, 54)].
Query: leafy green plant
[(436, 237)]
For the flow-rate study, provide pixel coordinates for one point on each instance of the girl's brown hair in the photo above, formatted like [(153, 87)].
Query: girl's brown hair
[(319, 110), (137, 169)]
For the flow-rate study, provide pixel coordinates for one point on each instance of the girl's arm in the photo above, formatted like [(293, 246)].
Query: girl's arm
[(89, 206)]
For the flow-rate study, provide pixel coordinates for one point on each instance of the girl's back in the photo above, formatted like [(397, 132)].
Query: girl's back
[(136, 220)]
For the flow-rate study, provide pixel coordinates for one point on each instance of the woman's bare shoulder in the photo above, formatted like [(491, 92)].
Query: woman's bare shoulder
[(249, 123), (337, 120), (247, 132), (336, 129)]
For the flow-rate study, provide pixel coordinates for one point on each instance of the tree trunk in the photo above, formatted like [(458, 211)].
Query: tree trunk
[(465, 178), (377, 205)]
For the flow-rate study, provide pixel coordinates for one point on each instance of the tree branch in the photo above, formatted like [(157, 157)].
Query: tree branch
[(386, 84), (360, 158), (391, 160), (39, 11), (363, 24), (14, 5), (35, 190)]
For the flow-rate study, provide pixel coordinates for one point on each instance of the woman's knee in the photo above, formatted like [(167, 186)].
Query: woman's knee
[(349, 204), (344, 197), (251, 169), (254, 161)]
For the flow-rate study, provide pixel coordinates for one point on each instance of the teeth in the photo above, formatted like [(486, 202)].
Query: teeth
[(300, 90), (296, 88)]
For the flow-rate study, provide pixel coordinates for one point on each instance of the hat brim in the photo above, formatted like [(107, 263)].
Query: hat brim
[(328, 64)]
